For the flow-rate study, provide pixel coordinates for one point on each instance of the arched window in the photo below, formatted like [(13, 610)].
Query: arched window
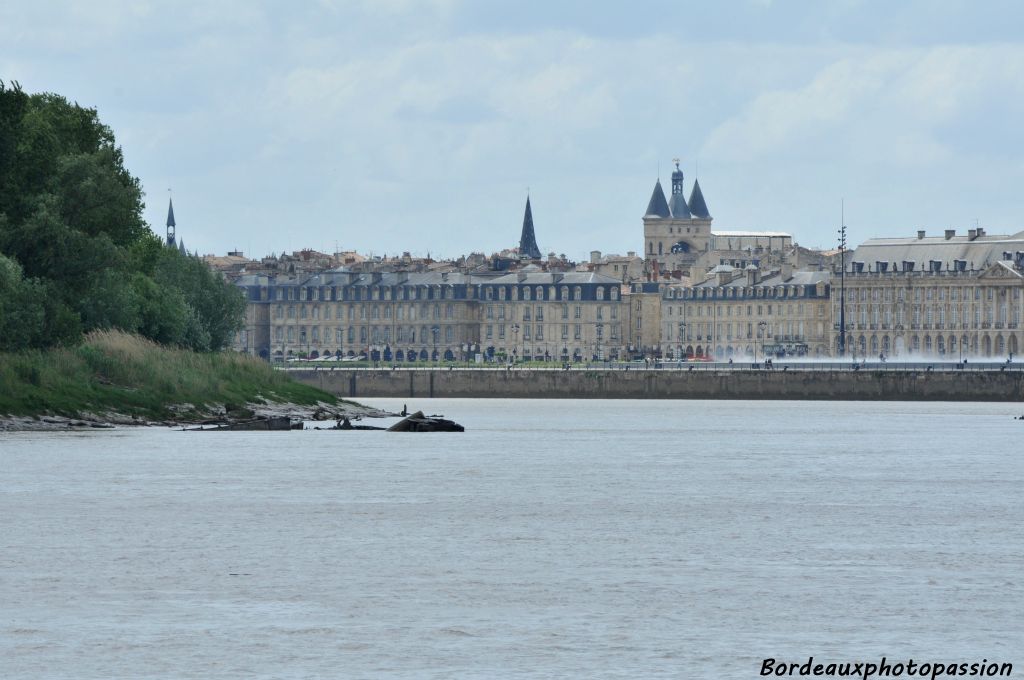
[(565, 292), (615, 293), (577, 293), (540, 292), (600, 292), (526, 292)]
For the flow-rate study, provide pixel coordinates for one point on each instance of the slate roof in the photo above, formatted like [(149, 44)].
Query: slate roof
[(528, 240), (799, 278), (677, 205), (698, 208), (658, 206), (547, 278), (979, 253)]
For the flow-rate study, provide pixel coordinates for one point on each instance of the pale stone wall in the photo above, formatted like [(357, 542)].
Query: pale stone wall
[(671, 384), (944, 314)]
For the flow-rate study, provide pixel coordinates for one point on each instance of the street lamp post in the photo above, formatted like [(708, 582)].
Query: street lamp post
[(515, 341), (434, 330), (842, 280), (761, 325), (682, 337)]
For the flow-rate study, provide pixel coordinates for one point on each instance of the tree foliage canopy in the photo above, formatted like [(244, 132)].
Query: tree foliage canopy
[(75, 252)]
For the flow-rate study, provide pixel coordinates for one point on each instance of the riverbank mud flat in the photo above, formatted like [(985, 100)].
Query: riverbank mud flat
[(221, 416)]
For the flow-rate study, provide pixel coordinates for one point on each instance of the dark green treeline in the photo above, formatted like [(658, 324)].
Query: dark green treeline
[(75, 252)]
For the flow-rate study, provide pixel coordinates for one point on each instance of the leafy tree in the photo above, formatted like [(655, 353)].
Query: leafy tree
[(79, 255)]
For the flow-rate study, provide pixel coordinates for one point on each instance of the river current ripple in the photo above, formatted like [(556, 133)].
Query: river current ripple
[(597, 539)]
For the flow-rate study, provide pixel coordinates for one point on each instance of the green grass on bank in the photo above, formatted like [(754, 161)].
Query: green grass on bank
[(115, 371)]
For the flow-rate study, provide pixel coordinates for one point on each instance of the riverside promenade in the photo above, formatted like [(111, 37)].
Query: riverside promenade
[(812, 381)]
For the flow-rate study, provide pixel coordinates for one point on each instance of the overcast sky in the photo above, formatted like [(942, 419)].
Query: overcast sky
[(391, 125)]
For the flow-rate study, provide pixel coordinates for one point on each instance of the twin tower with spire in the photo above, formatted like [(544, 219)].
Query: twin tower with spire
[(676, 231)]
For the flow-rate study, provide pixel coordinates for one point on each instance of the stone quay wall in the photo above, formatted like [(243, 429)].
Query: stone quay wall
[(866, 385)]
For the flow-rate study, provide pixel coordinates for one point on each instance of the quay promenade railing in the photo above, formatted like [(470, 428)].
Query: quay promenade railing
[(696, 366)]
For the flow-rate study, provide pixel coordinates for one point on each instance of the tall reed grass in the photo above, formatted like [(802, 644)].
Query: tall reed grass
[(116, 371)]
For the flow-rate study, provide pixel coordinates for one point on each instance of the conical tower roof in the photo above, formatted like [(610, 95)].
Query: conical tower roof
[(170, 213), (677, 204), (528, 239), (658, 206), (698, 208)]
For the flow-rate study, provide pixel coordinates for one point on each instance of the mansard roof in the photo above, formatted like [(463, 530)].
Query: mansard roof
[(979, 252), (658, 206), (698, 208), (548, 278)]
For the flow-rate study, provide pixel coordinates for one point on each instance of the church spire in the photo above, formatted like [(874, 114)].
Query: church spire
[(528, 240), (170, 222)]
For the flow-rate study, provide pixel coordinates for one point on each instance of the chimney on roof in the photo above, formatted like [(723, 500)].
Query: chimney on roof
[(981, 232), (786, 272), (753, 275), (972, 234), (520, 276), (595, 256), (950, 233), (920, 234)]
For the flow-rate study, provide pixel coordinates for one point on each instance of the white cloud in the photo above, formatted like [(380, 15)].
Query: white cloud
[(884, 106)]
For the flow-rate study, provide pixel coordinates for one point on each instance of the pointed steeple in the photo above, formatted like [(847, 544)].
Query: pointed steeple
[(697, 205), (528, 240), (658, 206), (181, 247), (170, 222), (677, 203)]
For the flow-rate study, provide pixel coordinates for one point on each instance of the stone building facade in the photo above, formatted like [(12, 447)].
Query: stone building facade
[(948, 297), (738, 314), (398, 317)]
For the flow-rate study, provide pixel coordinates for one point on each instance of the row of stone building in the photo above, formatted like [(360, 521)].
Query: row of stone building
[(700, 293)]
